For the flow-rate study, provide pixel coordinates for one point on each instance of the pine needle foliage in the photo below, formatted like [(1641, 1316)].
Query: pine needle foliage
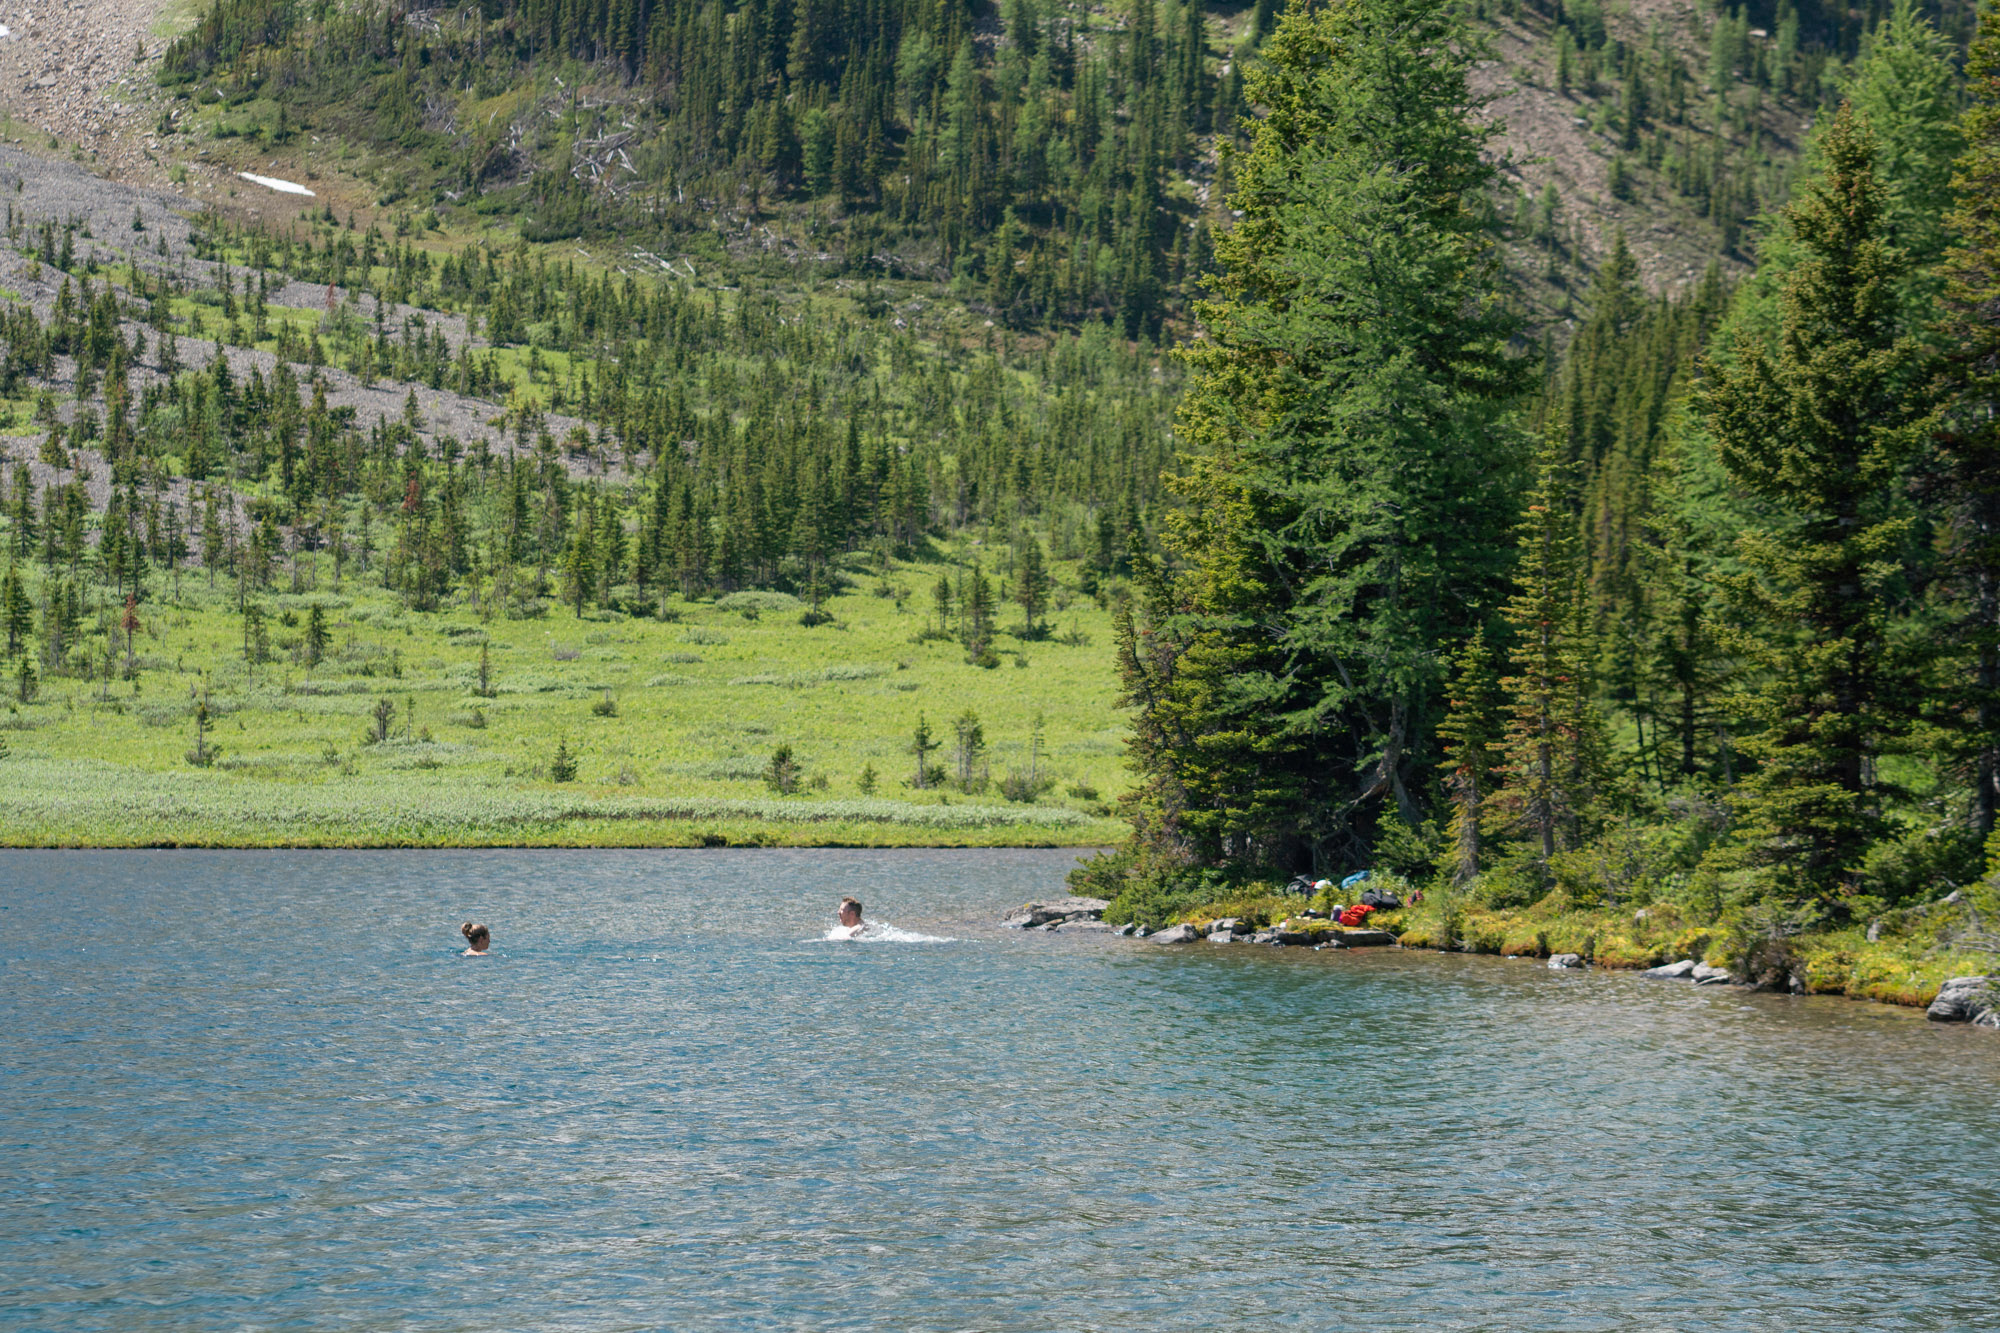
[(1820, 428), (1968, 443), (1345, 413)]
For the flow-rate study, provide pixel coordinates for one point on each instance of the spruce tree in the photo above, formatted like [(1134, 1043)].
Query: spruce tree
[(1470, 736), (19, 611), (1967, 461), (1031, 585), (579, 567), (1552, 749), (921, 745), (317, 638), (1820, 430), (978, 619)]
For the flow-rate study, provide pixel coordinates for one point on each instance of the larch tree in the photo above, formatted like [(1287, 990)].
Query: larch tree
[(1349, 478)]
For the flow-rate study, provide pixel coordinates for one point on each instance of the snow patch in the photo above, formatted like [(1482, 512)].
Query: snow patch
[(273, 183)]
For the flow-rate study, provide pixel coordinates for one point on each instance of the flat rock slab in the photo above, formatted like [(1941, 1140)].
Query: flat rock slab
[(1704, 975), (1560, 961), (1182, 934), (1681, 971), (1362, 939)]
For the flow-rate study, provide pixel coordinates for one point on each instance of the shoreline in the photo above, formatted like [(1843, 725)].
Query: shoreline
[(1950, 985)]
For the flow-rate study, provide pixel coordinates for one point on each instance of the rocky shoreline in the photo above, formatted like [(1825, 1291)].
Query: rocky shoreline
[(1306, 929), (1970, 999)]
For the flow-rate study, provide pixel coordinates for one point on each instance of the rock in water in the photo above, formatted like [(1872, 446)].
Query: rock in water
[(1704, 975), (1672, 971), (1966, 1000), (1033, 916), (1363, 939), (1562, 960), (1182, 934), (1223, 931)]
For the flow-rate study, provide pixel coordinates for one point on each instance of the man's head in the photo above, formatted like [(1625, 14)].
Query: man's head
[(850, 911)]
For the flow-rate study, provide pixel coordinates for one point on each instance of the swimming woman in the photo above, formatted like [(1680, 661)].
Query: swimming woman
[(478, 936)]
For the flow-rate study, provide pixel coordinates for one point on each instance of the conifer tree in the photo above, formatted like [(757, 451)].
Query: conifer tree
[(1553, 753), (19, 611), (1031, 585), (317, 638), (1820, 430), (1349, 482), (921, 745), (579, 568), (1968, 442), (978, 617), (941, 598), (1471, 735), (1905, 89)]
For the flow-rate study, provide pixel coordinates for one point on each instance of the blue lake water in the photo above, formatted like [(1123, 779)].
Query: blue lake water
[(261, 1090)]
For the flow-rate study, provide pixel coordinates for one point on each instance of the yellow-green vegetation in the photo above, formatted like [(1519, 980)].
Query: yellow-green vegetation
[(1914, 950), (672, 726)]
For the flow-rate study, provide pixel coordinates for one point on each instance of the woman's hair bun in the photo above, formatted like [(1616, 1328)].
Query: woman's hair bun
[(466, 930)]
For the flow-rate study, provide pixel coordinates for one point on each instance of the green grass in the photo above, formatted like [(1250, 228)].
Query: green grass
[(700, 704)]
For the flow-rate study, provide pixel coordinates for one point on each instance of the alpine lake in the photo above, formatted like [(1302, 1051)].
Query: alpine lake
[(263, 1090)]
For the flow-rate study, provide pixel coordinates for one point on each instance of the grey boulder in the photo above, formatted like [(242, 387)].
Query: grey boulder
[(1363, 939), (1704, 975), (1181, 934), (1672, 971), (1034, 916), (1966, 1000), (1564, 960)]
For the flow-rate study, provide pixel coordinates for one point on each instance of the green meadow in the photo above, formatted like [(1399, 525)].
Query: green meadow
[(668, 726)]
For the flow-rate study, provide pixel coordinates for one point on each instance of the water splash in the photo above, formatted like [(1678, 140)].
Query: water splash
[(875, 932)]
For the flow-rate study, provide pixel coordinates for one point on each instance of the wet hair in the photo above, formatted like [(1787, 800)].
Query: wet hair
[(855, 903), (476, 935)]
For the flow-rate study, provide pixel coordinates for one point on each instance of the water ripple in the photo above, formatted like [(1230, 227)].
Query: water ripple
[(262, 1090)]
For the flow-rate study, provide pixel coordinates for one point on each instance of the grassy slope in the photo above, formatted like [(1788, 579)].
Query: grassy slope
[(701, 703)]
